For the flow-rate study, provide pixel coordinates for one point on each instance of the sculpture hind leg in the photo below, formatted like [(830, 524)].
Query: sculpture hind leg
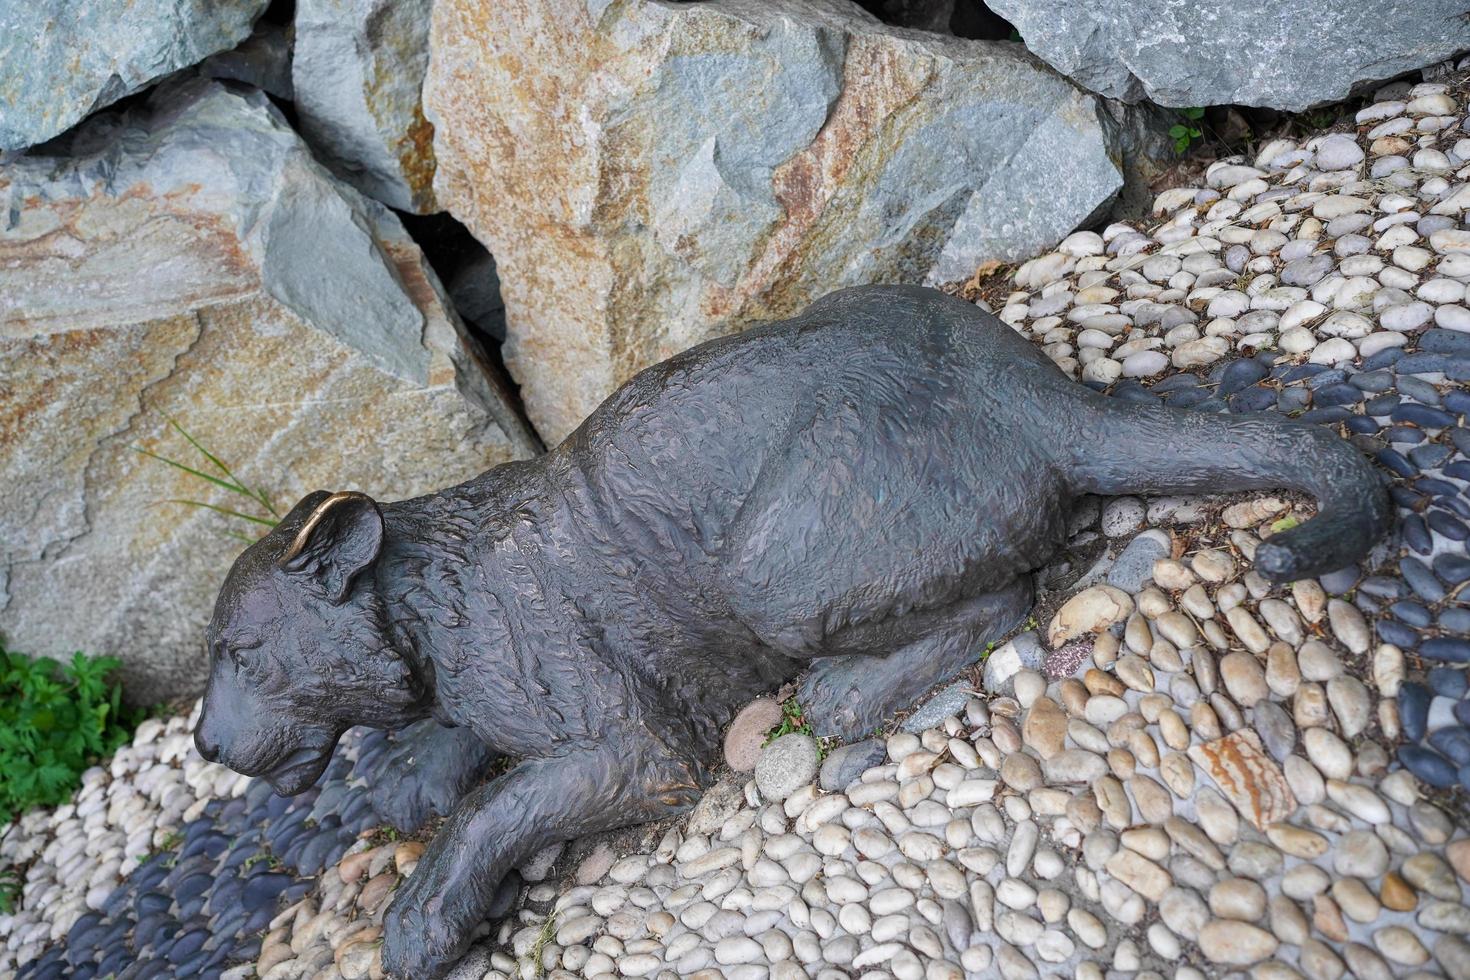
[(852, 694)]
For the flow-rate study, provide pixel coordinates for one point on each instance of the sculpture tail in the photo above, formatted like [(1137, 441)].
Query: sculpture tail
[(1152, 449)]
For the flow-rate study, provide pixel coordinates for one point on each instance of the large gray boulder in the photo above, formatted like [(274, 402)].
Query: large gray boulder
[(1253, 52), (358, 71), (649, 175), (62, 59), (192, 261)]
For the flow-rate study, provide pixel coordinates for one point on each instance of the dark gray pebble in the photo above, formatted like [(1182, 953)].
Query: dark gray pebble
[(1383, 359), (1429, 455), (1448, 525), (1453, 649), (1406, 435), (1293, 399), (1413, 710), (1373, 381), (1429, 766), (1412, 613), (1395, 461), (1448, 682), (1341, 581), (1421, 580), (1416, 534), (848, 762), (1455, 620), (1391, 631)]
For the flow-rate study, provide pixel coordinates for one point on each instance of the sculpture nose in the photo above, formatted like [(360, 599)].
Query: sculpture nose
[(208, 748)]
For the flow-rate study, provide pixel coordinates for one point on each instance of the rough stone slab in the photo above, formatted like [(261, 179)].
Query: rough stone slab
[(262, 60), (195, 262), (62, 59), (1247, 776), (358, 70), (1255, 52), (651, 175)]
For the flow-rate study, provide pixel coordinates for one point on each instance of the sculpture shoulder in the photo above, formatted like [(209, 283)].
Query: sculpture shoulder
[(515, 656)]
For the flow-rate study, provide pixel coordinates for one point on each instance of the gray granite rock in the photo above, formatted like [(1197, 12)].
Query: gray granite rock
[(1252, 52), (60, 60), (358, 72), (263, 59)]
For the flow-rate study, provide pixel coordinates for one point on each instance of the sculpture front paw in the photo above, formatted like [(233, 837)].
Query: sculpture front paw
[(420, 938)]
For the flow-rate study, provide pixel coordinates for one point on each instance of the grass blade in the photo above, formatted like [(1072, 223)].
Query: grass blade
[(219, 463), (235, 488), (222, 510)]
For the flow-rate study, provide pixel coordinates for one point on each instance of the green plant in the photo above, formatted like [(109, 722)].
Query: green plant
[(271, 861), (227, 480), (1186, 132), (55, 721), (792, 720), (543, 939), (1284, 524), (10, 885)]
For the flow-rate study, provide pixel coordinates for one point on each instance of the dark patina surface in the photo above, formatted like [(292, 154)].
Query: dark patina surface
[(865, 488)]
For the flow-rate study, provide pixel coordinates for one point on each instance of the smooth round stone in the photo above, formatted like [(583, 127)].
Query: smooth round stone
[(786, 765), (747, 733), (1144, 365), (1122, 516), (1235, 943), (1338, 153), (1413, 703), (1306, 271), (1238, 898), (848, 762), (1274, 725), (1361, 854)]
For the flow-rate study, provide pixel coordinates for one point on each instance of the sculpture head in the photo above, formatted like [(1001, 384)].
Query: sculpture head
[(299, 646)]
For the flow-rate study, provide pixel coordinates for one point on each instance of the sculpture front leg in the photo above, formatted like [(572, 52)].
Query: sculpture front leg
[(540, 802), (427, 772)]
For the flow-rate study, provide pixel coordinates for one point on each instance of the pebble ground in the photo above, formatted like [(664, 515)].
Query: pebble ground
[(1181, 772)]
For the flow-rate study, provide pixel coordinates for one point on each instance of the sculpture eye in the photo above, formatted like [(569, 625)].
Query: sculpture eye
[(245, 657)]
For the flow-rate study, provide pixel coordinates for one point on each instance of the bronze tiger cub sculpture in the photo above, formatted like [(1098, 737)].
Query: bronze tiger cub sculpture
[(864, 490)]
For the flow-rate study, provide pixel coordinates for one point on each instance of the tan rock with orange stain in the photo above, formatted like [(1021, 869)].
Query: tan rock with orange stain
[(1247, 776), (651, 175), (201, 266)]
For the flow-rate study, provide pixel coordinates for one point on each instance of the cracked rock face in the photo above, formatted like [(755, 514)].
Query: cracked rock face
[(650, 175), (66, 58), (358, 70), (288, 323), (1257, 52)]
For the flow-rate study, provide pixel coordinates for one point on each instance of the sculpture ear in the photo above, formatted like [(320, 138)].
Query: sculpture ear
[(339, 539)]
